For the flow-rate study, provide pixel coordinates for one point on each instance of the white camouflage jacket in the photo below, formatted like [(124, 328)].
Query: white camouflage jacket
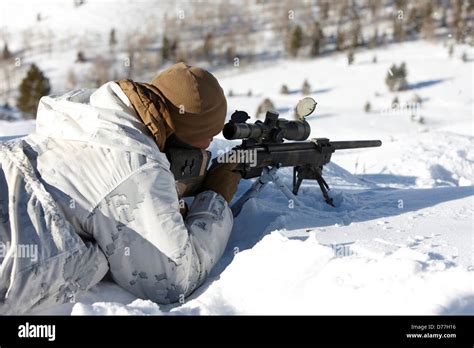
[(89, 192)]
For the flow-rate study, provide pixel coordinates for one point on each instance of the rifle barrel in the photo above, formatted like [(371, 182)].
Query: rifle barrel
[(354, 144)]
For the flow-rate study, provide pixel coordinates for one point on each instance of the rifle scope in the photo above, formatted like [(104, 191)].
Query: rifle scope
[(273, 129)]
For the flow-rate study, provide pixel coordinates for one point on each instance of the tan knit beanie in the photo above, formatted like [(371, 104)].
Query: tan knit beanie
[(195, 101)]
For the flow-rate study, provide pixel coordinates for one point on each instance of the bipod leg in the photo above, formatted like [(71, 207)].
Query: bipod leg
[(324, 188)]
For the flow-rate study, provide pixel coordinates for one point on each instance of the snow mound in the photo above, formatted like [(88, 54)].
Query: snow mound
[(282, 275), (15, 128), (137, 307)]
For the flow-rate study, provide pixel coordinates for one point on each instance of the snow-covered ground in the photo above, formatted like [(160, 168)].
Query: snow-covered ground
[(400, 239)]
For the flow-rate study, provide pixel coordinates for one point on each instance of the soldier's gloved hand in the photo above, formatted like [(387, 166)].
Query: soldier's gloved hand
[(222, 179)]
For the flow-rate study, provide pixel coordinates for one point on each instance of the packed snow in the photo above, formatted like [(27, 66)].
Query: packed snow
[(400, 239)]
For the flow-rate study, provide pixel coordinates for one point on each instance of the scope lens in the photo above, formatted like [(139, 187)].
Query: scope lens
[(229, 131)]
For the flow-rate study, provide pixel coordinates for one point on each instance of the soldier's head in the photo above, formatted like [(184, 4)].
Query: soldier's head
[(195, 101)]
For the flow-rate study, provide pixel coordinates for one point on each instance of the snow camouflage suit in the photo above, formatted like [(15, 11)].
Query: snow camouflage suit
[(89, 192)]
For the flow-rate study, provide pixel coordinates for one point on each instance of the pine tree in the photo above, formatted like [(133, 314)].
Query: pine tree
[(384, 39), (367, 107), (374, 40), (323, 8), (396, 78), (266, 105), (427, 25), (356, 33), (402, 74), (112, 38), (395, 103), (296, 40), (457, 22), (165, 49), (6, 52), (80, 57), (230, 54), (415, 20), (34, 86), (284, 89), (208, 46), (174, 49), (398, 30), (317, 40), (306, 88), (340, 40), (451, 50), (350, 57)]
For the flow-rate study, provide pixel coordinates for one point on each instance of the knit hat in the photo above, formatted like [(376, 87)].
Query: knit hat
[(195, 101)]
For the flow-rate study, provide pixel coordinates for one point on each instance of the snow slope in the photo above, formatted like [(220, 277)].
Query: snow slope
[(400, 239)]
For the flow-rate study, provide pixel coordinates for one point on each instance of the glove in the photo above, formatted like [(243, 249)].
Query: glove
[(222, 179)]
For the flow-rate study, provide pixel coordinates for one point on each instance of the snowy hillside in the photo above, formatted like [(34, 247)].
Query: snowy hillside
[(400, 239)]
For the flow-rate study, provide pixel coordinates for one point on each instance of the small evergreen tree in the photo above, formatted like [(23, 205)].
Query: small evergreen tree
[(374, 40), (266, 105), (174, 48), (306, 88), (396, 78), (395, 103), (80, 57), (112, 38), (6, 52), (78, 3), (34, 86), (350, 57), (398, 30), (284, 89), (427, 23), (367, 107), (165, 49), (356, 33), (296, 40), (317, 40), (340, 40), (208, 46), (451, 50), (384, 39), (374, 59), (230, 54)]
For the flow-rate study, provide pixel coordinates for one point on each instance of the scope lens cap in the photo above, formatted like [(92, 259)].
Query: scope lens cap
[(305, 107), (239, 116)]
